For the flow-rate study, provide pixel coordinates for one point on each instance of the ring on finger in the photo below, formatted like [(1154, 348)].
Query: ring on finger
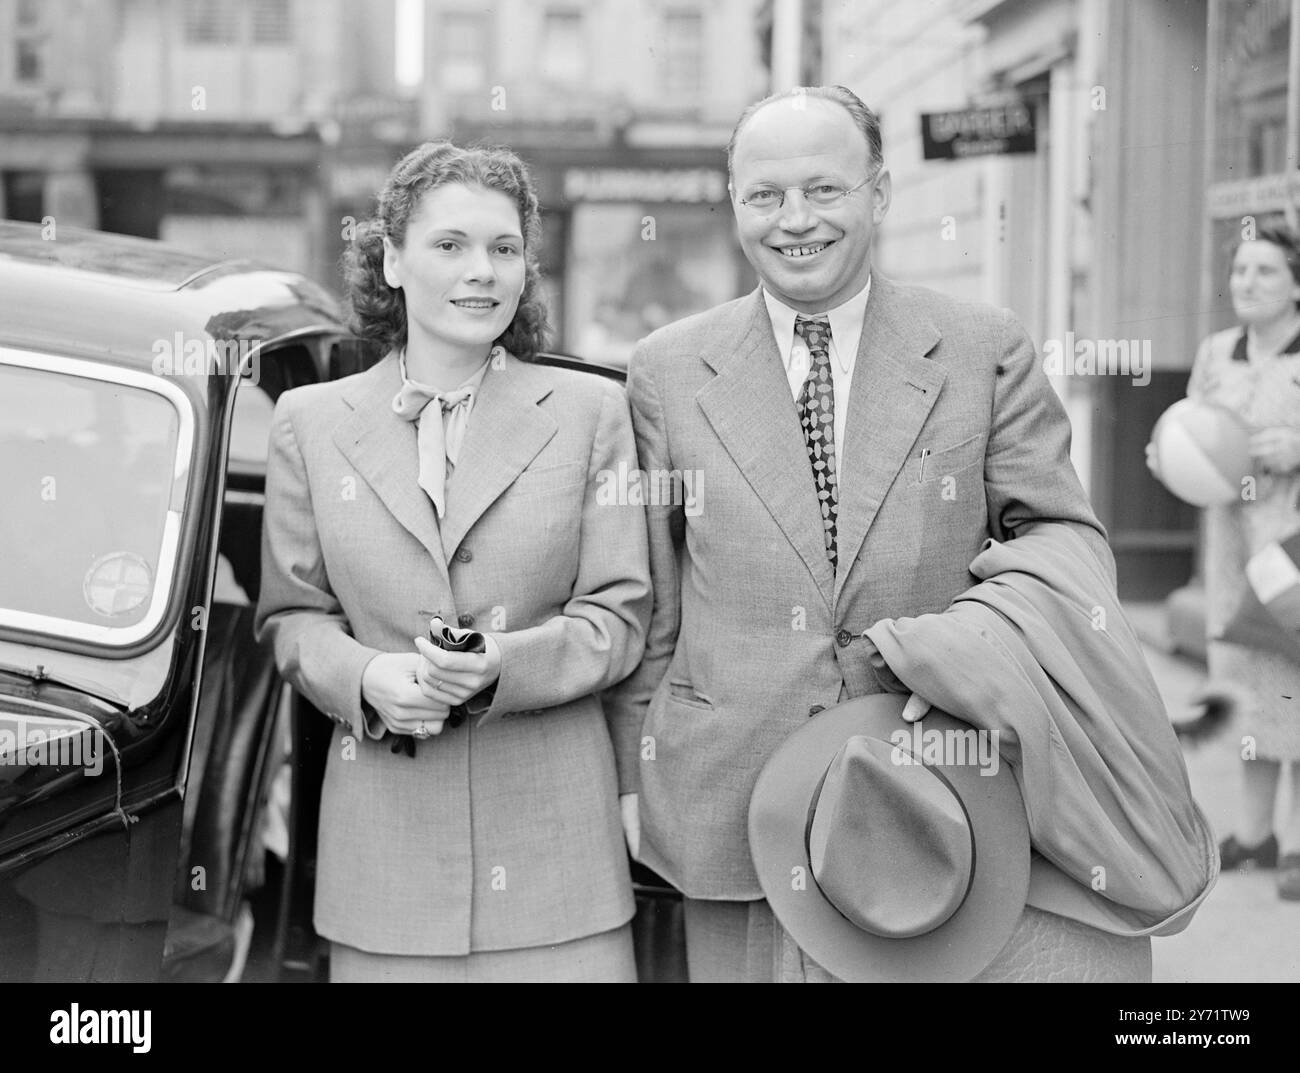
[(422, 731)]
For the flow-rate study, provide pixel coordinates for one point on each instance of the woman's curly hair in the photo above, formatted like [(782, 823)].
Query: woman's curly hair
[(378, 311)]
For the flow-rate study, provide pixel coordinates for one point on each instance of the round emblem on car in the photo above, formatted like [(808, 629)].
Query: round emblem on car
[(117, 584)]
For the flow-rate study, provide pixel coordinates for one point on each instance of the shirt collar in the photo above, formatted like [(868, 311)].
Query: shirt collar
[(473, 381), (1239, 351), (845, 320)]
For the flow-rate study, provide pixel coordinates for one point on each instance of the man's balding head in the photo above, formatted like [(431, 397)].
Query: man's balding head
[(863, 118)]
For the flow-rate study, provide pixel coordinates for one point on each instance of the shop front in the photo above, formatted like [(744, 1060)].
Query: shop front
[(1254, 144), (1252, 151), (635, 239)]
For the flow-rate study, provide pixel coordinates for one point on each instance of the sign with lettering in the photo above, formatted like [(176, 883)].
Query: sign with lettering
[(1002, 129), (690, 185), (1244, 197)]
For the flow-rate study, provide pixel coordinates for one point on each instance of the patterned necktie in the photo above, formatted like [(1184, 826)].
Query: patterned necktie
[(817, 416), (439, 444)]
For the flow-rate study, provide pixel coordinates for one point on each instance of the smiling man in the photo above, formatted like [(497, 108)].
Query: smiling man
[(862, 440)]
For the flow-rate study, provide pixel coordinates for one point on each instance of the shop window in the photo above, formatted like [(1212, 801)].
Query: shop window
[(1253, 51), (463, 51), (621, 285), (1251, 181)]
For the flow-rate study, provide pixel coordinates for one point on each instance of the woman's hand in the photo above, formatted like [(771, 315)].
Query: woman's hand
[(389, 684), (451, 678), (1277, 449)]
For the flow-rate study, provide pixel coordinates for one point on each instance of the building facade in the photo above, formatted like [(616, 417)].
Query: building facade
[(1094, 239), (209, 123), (622, 108)]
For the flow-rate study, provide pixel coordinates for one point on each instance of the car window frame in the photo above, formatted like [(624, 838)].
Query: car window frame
[(107, 640)]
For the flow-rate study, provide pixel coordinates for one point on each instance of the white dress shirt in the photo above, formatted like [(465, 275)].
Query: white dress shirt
[(846, 332)]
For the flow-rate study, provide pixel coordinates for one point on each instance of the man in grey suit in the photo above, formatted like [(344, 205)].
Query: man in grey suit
[(854, 441)]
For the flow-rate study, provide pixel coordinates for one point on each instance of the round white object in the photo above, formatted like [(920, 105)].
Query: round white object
[(1202, 452)]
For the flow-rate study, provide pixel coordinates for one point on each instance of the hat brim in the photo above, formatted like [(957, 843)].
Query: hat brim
[(957, 950)]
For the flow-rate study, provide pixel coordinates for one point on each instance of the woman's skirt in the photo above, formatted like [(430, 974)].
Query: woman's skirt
[(606, 958)]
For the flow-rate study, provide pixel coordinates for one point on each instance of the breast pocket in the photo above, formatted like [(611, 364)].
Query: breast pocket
[(928, 464), (685, 694), (549, 479)]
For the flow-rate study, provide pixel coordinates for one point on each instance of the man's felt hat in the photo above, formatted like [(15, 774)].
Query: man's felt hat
[(891, 851)]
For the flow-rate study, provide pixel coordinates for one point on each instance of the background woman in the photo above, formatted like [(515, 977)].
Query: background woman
[(1254, 370), (457, 476)]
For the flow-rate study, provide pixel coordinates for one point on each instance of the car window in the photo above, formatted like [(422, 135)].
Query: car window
[(89, 476), (250, 427)]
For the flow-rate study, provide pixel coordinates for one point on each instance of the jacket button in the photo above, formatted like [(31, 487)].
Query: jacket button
[(464, 555), (815, 709), (466, 620), (844, 638)]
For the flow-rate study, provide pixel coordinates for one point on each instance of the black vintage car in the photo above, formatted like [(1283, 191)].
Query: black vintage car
[(149, 751)]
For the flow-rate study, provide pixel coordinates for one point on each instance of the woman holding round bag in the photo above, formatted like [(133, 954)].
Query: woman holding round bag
[(469, 818), (1254, 370)]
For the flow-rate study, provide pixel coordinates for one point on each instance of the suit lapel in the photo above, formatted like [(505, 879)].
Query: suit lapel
[(752, 411), (506, 431), (382, 448), (894, 388)]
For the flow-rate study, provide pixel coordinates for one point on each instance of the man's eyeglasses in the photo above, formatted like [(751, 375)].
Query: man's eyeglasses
[(767, 199)]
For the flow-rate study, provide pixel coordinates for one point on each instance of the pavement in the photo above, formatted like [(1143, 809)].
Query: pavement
[(1243, 932)]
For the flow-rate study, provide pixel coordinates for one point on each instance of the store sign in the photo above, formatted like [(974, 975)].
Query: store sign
[(1006, 128), (689, 185), (1244, 197)]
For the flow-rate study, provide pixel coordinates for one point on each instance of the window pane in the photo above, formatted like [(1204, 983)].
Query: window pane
[(86, 484), (683, 53), (1250, 112), (28, 60), (24, 195), (211, 22), (564, 55), (271, 22), (250, 428), (462, 51)]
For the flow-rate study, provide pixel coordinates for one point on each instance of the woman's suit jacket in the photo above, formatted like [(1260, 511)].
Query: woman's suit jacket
[(502, 832)]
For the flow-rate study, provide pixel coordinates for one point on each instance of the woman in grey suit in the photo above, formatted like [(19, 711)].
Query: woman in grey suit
[(469, 818)]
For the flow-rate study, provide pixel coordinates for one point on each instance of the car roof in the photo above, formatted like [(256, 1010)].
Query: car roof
[(115, 298)]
